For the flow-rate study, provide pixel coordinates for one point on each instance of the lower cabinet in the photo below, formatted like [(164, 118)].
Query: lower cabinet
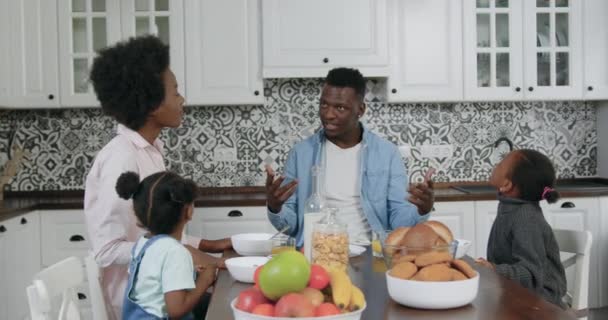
[(221, 222), (460, 218)]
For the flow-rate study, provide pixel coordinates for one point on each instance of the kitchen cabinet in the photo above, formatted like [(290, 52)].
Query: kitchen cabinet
[(460, 218), (485, 214), (164, 18), (64, 234), (603, 250), (20, 249), (306, 38), (517, 49), (29, 54), (595, 37), (224, 67), (223, 222), (425, 50)]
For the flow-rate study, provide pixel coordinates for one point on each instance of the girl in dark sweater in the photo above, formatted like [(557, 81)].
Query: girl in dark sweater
[(522, 246)]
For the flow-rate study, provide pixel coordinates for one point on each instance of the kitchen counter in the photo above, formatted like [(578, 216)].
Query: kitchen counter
[(16, 203)]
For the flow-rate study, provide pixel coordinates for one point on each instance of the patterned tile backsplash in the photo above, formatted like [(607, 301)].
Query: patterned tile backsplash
[(229, 145)]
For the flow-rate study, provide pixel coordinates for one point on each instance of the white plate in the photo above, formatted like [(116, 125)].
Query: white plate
[(355, 250)]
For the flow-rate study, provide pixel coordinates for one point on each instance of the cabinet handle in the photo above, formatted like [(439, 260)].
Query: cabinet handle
[(325, 60), (256, 92), (235, 213), (2, 229), (568, 205), (76, 238), (530, 89), (590, 88), (81, 296), (51, 97), (394, 90), (23, 220), (517, 89)]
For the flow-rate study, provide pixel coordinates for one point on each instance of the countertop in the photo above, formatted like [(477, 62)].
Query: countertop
[(19, 202)]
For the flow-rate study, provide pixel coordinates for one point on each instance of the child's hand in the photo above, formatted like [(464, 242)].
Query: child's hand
[(485, 263), (206, 274)]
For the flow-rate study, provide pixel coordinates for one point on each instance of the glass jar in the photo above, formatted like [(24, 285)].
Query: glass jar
[(330, 242)]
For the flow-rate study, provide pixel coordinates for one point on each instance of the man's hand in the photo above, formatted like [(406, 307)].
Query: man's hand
[(275, 194), (422, 194)]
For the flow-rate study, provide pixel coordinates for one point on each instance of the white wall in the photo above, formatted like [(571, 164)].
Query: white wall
[(602, 139)]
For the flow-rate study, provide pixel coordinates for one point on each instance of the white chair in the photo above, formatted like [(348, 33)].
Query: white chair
[(98, 304), (57, 280), (578, 243)]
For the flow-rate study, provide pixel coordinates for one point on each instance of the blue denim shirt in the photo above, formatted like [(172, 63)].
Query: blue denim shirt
[(383, 192)]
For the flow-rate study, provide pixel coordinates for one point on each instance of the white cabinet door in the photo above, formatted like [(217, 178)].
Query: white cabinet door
[(306, 38), (425, 50), (223, 222), (579, 214), (493, 61), (223, 52), (163, 18), (4, 292), (5, 62), (553, 49), (85, 26), (595, 34), (64, 234), (22, 260), (33, 60), (485, 214), (603, 250), (460, 218)]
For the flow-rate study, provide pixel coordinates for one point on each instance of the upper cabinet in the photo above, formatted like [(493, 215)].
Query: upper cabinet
[(595, 36), (164, 18), (306, 38), (223, 52), (85, 26), (426, 50), (517, 49), (29, 54)]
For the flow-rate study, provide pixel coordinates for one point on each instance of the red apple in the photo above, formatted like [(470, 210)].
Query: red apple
[(314, 295), (319, 278), (256, 276), (294, 305), (249, 299), (264, 309), (326, 309)]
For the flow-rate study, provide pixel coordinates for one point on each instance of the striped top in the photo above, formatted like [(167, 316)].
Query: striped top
[(524, 249)]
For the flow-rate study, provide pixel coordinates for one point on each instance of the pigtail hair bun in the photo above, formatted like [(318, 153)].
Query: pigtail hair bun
[(127, 185)]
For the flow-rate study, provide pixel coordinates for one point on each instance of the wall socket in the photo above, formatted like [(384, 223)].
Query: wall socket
[(436, 150), (224, 154)]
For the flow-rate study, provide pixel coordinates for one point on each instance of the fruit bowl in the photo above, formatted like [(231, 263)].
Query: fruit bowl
[(252, 244), (243, 268), (395, 254), (432, 294), (242, 315)]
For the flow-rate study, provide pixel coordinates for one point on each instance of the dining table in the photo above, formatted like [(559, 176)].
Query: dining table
[(497, 297)]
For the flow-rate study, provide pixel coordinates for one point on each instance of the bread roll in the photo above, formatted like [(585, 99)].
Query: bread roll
[(442, 230), (394, 239), (464, 267), (434, 272), (432, 257), (404, 270), (420, 236)]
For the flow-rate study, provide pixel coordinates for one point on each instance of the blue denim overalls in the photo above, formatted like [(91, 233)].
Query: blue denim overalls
[(130, 309)]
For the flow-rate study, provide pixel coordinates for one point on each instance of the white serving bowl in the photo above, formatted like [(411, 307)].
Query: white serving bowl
[(252, 244), (243, 268), (432, 294), (242, 315), (462, 248)]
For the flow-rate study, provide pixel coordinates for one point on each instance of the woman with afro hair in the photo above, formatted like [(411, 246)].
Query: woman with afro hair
[(134, 85)]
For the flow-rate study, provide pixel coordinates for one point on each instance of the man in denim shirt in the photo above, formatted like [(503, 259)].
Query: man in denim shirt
[(362, 174)]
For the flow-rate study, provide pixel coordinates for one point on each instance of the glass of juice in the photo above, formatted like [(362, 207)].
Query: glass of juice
[(282, 243)]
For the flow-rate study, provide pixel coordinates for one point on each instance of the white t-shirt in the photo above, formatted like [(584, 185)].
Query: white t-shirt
[(166, 266), (343, 189)]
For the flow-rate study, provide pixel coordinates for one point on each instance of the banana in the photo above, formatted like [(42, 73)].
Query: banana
[(341, 288), (357, 299)]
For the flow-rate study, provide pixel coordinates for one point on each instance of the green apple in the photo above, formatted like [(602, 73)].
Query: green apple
[(286, 272)]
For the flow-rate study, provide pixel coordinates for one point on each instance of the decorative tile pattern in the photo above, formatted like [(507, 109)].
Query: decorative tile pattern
[(229, 146)]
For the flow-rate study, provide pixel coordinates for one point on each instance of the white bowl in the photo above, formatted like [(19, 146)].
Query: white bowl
[(462, 248), (243, 268), (242, 315), (432, 294), (252, 244)]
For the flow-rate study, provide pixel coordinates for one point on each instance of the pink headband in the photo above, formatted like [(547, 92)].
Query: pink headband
[(545, 191)]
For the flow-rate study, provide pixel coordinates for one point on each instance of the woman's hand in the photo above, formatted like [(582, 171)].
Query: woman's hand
[(215, 246)]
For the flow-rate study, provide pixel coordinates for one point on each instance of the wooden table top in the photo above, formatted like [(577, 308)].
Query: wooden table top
[(498, 297)]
